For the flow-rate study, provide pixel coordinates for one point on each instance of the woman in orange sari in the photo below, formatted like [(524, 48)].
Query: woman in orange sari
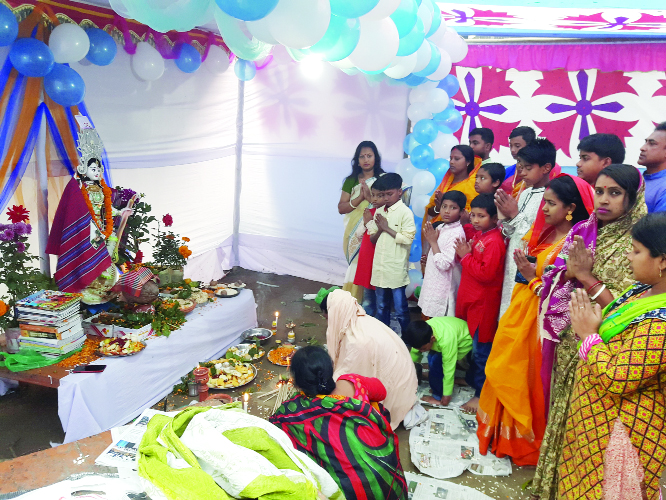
[(512, 414)]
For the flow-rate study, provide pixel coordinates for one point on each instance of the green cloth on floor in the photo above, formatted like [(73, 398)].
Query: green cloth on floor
[(29, 359), (228, 450)]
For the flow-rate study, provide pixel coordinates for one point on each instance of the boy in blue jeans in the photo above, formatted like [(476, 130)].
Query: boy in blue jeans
[(447, 341), (394, 225)]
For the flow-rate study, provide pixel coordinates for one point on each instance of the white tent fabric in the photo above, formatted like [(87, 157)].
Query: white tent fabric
[(175, 139)]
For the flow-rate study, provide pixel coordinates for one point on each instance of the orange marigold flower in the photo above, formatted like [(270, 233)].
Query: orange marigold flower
[(185, 238), (170, 237), (184, 251), (3, 308)]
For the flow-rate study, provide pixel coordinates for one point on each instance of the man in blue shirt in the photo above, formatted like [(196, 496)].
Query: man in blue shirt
[(653, 158)]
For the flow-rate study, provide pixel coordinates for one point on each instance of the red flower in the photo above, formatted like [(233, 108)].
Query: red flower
[(18, 213), (139, 257), (167, 220)]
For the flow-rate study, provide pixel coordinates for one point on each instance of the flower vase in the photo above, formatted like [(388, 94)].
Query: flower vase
[(12, 337), (177, 275), (165, 276)]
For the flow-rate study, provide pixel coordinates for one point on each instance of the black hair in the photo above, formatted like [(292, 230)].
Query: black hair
[(496, 171), (312, 369), (388, 181), (324, 304), (527, 133), (540, 151), (417, 334), (356, 166), (468, 153), (457, 197), (486, 134), (650, 231), (604, 146), (627, 177), (94, 160), (567, 192), (659, 128), (485, 201)]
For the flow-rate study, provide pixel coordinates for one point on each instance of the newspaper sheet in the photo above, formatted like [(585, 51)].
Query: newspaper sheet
[(123, 451), (446, 445), (459, 397), (426, 488)]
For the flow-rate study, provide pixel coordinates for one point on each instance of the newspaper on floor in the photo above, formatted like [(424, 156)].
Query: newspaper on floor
[(459, 397), (90, 487), (426, 488), (123, 451), (446, 445)]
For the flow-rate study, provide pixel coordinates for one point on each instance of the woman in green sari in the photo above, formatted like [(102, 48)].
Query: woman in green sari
[(354, 199)]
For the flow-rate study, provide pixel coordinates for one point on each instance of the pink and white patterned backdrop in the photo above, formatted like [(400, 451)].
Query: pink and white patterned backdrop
[(563, 106)]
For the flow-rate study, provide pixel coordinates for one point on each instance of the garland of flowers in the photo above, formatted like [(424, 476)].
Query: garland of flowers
[(108, 217)]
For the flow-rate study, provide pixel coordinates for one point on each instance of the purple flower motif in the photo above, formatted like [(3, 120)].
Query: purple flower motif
[(22, 229), (126, 195), (7, 234), (20, 246)]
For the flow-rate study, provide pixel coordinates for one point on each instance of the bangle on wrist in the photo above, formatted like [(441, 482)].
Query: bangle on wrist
[(351, 205), (434, 209), (601, 290), (589, 290)]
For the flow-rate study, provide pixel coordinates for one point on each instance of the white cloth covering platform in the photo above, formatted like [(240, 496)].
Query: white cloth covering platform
[(92, 403)]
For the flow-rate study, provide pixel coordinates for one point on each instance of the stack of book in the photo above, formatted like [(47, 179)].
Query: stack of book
[(50, 322)]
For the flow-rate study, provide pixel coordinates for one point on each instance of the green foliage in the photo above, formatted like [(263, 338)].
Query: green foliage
[(166, 250), (167, 318), (137, 229)]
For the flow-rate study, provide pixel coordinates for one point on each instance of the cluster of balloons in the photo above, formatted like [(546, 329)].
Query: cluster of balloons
[(435, 119), (403, 40), (148, 63)]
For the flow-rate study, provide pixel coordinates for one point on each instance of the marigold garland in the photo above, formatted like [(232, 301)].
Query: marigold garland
[(108, 217)]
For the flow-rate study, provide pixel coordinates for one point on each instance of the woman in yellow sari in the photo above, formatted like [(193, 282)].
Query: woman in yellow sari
[(512, 414), (354, 199)]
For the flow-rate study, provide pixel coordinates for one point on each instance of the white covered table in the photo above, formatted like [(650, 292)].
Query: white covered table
[(92, 403)]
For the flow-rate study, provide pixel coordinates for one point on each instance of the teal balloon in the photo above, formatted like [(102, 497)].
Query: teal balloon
[(449, 121), (436, 19), (409, 143), (103, 48), (412, 81), (189, 59), (8, 26), (247, 10), (433, 64), (340, 39), (405, 17), (422, 156), (31, 57), (249, 49), (350, 8), (450, 84), (411, 42), (245, 70), (425, 131), (438, 168), (64, 85)]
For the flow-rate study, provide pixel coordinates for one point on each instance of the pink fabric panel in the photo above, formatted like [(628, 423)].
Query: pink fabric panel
[(602, 56)]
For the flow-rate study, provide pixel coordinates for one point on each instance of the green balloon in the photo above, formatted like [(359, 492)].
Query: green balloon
[(242, 46), (340, 39)]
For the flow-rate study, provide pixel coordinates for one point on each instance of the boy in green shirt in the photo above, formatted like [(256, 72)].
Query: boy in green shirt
[(448, 341)]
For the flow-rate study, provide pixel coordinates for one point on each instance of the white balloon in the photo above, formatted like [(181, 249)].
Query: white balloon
[(419, 203), (261, 30), (377, 45), (418, 111), (423, 56), (406, 170), (428, 85), (418, 94), (69, 43), (454, 44), (423, 182), (401, 66), (443, 69), (217, 60), (147, 62), (382, 10), (436, 100), (409, 289), (425, 12), (342, 64), (437, 36), (299, 23), (442, 145)]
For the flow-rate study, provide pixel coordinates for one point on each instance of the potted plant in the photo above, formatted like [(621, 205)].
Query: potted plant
[(137, 229), (171, 253), (17, 271)]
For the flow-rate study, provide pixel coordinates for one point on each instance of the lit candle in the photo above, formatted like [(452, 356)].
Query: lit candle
[(246, 400), (275, 323)]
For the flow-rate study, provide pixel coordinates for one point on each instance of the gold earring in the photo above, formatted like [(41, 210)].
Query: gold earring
[(569, 217)]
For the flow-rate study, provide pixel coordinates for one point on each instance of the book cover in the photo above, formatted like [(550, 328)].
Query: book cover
[(56, 330), (49, 300), (41, 338)]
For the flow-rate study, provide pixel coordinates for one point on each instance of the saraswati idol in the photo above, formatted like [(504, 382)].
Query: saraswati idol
[(83, 234)]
